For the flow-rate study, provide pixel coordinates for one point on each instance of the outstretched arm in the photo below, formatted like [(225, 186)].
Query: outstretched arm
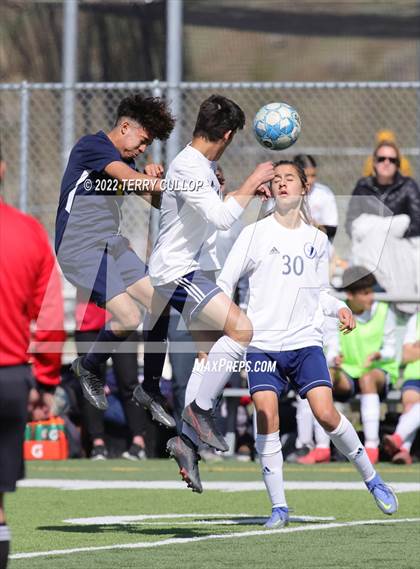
[(203, 199)]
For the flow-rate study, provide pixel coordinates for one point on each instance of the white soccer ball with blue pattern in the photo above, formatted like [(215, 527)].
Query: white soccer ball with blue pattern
[(277, 126)]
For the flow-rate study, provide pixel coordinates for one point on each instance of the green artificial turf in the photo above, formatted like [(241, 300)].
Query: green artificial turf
[(36, 517)]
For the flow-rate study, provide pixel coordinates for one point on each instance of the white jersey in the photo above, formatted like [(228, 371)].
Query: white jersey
[(191, 214), (288, 280), (322, 205), (226, 239), (411, 336)]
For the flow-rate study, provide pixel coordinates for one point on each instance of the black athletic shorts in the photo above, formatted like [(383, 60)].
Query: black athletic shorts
[(15, 383)]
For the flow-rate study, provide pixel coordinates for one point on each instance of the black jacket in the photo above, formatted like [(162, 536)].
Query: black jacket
[(403, 196)]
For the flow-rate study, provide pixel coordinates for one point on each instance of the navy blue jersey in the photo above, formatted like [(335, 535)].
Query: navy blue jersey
[(90, 200)]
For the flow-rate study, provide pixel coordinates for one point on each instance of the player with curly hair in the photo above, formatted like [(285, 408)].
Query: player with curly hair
[(92, 253)]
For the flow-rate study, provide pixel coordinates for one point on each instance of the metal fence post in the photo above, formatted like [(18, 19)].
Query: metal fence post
[(69, 76), (174, 69), (157, 159), (418, 133), (24, 147)]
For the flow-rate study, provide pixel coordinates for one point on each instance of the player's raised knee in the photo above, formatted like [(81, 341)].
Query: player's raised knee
[(243, 336)]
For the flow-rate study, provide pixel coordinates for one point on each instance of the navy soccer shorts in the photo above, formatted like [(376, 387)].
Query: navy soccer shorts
[(190, 294), (301, 369), (355, 387), (413, 384), (104, 272)]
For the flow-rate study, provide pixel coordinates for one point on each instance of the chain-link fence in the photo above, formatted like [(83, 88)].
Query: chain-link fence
[(339, 126)]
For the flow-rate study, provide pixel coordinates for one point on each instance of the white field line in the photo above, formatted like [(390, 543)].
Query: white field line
[(146, 519), (186, 540), (228, 486)]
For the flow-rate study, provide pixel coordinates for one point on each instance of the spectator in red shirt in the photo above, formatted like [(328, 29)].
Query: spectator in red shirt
[(30, 291)]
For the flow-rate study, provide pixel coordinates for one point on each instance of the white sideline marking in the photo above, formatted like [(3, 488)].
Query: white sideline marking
[(228, 486), (184, 540), (144, 518)]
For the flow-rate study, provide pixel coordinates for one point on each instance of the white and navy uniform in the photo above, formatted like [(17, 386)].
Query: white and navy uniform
[(92, 253), (184, 259), (288, 280)]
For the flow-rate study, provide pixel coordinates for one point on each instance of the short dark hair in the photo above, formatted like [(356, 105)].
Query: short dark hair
[(357, 278), (216, 116), (151, 112), (305, 160)]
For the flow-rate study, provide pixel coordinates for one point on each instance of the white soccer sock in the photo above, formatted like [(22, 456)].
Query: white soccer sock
[(271, 458), (191, 391), (322, 440), (304, 422), (193, 384), (370, 411), (348, 443), (409, 422), (220, 364)]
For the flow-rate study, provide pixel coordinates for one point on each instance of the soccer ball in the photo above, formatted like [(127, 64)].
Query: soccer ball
[(277, 126)]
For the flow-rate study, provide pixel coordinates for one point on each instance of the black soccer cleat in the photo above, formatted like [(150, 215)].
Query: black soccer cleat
[(187, 459), (99, 452), (135, 453), (151, 403), (93, 387), (204, 425)]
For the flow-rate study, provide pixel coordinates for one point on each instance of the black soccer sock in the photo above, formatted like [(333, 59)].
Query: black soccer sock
[(154, 352), (105, 343), (197, 409), (4, 545)]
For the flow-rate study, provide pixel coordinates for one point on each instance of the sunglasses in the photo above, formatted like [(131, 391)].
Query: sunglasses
[(383, 158)]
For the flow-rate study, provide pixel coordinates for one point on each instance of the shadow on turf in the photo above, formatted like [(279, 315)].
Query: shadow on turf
[(176, 531)]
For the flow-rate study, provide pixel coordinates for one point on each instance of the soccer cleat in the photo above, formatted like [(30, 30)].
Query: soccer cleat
[(135, 452), (156, 409), (279, 518), (384, 495), (402, 457), (93, 386), (99, 452), (373, 454), (204, 425), (392, 444), (315, 456), (187, 459)]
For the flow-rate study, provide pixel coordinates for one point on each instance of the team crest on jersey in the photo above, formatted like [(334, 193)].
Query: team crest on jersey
[(309, 250)]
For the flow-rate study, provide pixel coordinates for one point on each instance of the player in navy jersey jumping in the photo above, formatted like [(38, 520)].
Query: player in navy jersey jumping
[(92, 253)]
